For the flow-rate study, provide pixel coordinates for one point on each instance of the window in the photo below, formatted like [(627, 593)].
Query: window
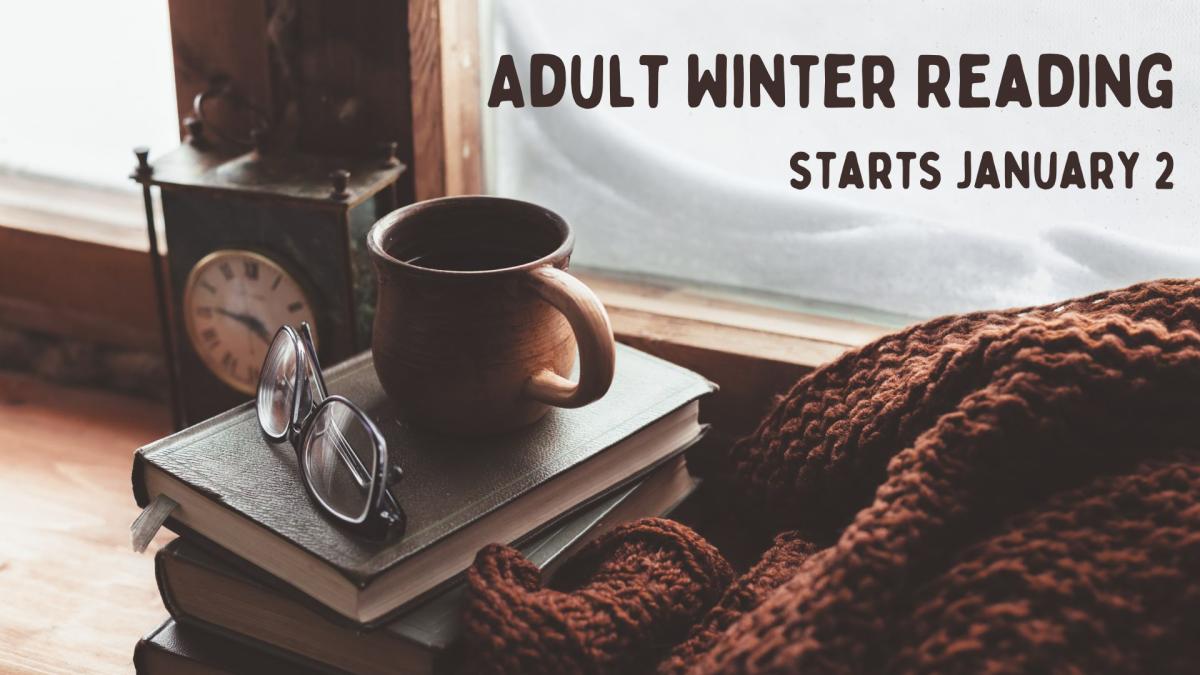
[(84, 82), (703, 194)]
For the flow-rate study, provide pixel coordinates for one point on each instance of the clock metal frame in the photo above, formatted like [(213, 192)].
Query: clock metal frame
[(305, 212)]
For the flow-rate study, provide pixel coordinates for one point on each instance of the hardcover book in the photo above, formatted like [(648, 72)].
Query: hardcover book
[(244, 494), (201, 587), (175, 649)]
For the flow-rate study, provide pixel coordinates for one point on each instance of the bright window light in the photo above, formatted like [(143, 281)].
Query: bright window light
[(83, 83)]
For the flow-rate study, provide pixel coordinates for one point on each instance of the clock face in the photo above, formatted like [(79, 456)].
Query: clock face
[(233, 302)]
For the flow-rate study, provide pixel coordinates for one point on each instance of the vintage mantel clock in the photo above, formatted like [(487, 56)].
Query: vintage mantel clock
[(256, 240)]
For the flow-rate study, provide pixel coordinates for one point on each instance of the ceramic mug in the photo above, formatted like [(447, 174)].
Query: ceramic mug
[(477, 320)]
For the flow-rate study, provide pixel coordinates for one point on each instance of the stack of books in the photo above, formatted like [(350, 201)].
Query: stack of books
[(260, 580)]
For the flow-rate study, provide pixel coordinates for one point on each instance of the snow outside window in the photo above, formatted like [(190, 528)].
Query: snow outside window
[(703, 194)]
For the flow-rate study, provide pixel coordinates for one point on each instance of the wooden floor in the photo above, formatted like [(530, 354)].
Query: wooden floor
[(74, 598)]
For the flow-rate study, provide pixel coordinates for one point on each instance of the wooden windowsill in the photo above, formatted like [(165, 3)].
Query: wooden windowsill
[(661, 309), (74, 263), (754, 353), (84, 274), (96, 215)]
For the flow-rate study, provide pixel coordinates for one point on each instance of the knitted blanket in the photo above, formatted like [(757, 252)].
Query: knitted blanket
[(1011, 491)]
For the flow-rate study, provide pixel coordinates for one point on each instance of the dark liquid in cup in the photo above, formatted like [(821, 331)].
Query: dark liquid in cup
[(474, 242), (469, 257)]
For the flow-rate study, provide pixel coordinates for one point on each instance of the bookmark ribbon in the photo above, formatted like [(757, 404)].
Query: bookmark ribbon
[(147, 524)]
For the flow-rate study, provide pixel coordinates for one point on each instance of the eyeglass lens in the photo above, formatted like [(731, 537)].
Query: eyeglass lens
[(277, 385), (340, 457)]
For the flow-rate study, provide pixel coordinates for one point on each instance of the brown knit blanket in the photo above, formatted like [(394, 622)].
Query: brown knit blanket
[(1013, 491)]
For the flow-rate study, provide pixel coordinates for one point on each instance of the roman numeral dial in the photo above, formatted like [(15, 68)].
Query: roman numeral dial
[(234, 302)]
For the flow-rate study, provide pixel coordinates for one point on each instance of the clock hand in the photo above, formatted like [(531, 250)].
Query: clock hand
[(248, 321), (260, 330)]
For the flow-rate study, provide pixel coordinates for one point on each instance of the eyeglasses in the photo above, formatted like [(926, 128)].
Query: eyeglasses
[(343, 458)]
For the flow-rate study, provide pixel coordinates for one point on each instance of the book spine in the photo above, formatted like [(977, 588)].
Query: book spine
[(161, 577), (142, 649), (179, 614), (138, 480)]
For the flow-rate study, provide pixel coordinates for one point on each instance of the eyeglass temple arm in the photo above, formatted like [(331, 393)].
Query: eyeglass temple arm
[(306, 335), (350, 459), (360, 475), (357, 468), (393, 507)]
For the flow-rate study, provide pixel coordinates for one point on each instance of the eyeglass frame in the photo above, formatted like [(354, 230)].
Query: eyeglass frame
[(383, 512)]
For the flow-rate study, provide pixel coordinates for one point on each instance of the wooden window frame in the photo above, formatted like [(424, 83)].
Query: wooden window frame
[(444, 49), (751, 351)]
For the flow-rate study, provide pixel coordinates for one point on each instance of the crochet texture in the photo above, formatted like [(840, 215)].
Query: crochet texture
[(1010, 491)]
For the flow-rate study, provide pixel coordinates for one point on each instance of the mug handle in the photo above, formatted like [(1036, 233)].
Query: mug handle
[(593, 334)]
